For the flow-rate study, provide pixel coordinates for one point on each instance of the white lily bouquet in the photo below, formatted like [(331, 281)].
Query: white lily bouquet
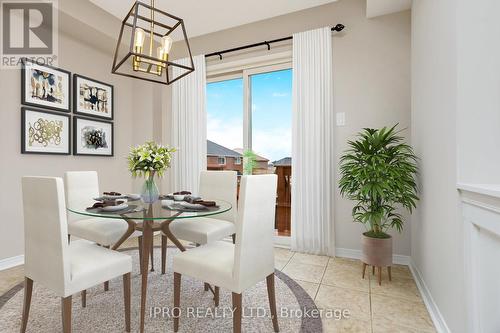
[(147, 160)]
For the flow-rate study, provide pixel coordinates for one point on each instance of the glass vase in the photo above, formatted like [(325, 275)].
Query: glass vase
[(149, 193)]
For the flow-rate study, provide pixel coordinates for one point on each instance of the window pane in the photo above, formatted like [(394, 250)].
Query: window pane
[(224, 124), (272, 136), (272, 114)]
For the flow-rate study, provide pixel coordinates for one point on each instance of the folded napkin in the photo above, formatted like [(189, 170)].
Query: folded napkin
[(182, 205), (199, 201), (101, 204)]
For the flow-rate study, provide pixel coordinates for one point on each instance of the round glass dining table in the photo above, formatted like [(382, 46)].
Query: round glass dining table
[(149, 218)]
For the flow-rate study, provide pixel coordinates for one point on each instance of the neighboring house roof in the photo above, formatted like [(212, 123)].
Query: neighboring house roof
[(214, 149), (283, 162), (258, 158)]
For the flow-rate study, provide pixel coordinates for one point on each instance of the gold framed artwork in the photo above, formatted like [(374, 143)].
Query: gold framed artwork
[(45, 86), (45, 132), (92, 137), (92, 98)]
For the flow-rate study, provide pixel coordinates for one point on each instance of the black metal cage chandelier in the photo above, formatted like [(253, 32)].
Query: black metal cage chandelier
[(148, 30)]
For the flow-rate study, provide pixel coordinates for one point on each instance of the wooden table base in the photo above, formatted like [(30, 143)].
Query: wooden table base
[(147, 226)]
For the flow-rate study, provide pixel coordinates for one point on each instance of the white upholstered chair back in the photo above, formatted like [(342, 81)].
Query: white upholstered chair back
[(220, 185), (81, 187), (46, 232), (254, 252)]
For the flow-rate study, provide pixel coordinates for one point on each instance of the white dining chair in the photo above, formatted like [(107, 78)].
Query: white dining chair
[(54, 263), (213, 185), (81, 187), (239, 266)]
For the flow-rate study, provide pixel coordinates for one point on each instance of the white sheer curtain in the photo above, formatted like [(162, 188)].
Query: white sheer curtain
[(189, 128), (313, 155)]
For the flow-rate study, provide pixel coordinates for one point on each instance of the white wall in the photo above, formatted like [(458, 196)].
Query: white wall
[(478, 94), (456, 134), (436, 231)]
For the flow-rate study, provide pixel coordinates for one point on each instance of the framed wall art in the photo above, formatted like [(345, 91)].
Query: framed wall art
[(92, 137), (45, 86), (92, 98), (44, 132)]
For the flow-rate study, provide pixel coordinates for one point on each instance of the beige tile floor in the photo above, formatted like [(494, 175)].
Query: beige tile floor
[(336, 283)]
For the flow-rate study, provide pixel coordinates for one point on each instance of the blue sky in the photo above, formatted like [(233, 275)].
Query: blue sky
[(271, 113)]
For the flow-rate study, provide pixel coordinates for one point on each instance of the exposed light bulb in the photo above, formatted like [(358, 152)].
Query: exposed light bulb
[(161, 54), (166, 44), (140, 35)]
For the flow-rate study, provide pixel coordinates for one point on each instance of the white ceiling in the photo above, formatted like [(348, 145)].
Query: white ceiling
[(206, 16), (376, 8)]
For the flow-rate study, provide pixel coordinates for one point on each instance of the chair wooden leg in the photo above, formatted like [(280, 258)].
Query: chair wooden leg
[(379, 276), (126, 300), (106, 284), (139, 241), (163, 254), (66, 313), (84, 298), (237, 312), (364, 269), (177, 300), (389, 272), (151, 252), (216, 296), (271, 294), (28, 291)]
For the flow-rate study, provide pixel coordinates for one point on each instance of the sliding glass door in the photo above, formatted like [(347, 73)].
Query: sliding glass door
[(252, 111), (271, 134)]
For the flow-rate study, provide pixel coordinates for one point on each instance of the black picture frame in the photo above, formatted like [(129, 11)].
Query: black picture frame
[(76, 120), (45, 105), (24, 149), (76, 98)]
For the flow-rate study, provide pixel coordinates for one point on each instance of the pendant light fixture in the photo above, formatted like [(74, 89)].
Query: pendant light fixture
[(145, 44)]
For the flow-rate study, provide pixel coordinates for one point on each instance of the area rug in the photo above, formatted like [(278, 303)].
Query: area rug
[(104, 311)]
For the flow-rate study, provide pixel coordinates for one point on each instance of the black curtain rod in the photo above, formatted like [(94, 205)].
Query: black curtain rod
[(338, 27)]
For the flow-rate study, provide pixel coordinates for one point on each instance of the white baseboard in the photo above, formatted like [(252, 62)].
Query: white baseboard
[(431, 306), (11, 262), (356, 254)]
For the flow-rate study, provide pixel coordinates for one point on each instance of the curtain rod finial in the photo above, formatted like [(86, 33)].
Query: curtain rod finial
[(338, 27)]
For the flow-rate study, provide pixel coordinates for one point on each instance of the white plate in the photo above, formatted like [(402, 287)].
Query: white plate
[(114, 208), (134, 196)]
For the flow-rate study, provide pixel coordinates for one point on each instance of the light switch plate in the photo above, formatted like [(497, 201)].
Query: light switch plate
[(340, 118)]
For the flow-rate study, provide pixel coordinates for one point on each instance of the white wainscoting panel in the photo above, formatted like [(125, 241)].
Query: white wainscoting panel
[(481, 218)]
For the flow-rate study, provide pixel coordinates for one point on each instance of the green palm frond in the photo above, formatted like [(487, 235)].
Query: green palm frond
[(378, 173)]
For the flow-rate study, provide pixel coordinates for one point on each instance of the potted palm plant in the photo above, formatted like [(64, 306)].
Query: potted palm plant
[(378, 174)]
